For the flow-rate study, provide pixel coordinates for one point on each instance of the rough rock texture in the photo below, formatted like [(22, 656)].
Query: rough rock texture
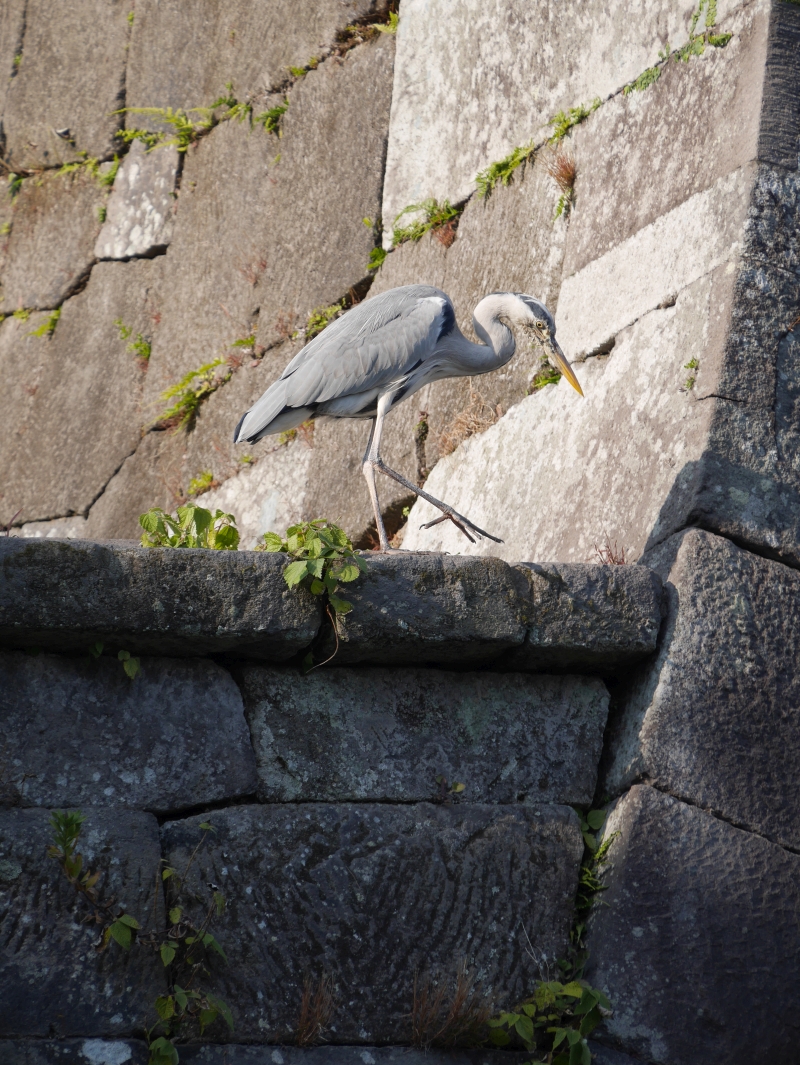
[(369, 894), (715, 719), (286, 254), (54, 223), (184, 602), (458, 103), (249, 44), (132, 1052), (354, 735), (12, 26), (55, 89), (72, 406), (696, 914), (430, 609), (82, 733), (52, 983), (589, 618), (141, 207), (73, 1052)]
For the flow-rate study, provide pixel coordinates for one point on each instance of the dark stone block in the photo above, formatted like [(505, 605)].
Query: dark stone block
[(79, 732), (64, 595), (372, 894), (589, 618), (74, 1052), (52, 983), (378, 734), (338, 1055), (695, 942)]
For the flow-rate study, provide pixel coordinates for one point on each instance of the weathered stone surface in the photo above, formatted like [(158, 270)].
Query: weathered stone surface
[(73, 1052), (141, 206), (589, 618), (12, 26), (728, 656), (340, 1055), (559, 474), (81, 733), (779, 139), (71, 410), (59, 529), (353, 735), (249, 44), (52, 982), (54, 88), (696, 913), (370, 894), (458, 102), (713, 100), (430, 609), (54, 223), (286, 254), (164, 602)]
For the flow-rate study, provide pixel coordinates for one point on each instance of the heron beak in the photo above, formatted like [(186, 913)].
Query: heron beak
[(558, 357)]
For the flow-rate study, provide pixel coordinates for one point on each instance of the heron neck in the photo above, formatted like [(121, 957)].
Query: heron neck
[(494, 333)]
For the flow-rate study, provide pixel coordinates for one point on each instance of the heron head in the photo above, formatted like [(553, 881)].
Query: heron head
[(532, 316)]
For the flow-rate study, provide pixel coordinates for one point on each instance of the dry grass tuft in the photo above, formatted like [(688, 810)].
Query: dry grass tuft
[(610, 554), (446, 234), (316, 1010), (562, 169), (476, 417), (445, 1015)]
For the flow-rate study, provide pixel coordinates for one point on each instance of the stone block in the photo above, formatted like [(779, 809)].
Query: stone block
[(370, 894), (425, 609), (696, 913), (81, 733), (589, 618), (52, 982), (230, 270), (338, 1055), (71, 411), (12, 27), (251, 45), (141, 207), (151, 601), (559, 475), (73, 1052), (376, 734), (50, 248), (714, 100), (458, 102), (727, 655), (54, 88)]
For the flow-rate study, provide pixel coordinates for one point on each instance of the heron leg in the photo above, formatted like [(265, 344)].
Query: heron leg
[(369, 474), (373, 461)]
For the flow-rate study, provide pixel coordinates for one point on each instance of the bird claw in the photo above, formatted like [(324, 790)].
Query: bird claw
[(457, 521)]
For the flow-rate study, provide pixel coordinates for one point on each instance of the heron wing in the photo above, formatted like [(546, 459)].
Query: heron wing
[(372, 347)]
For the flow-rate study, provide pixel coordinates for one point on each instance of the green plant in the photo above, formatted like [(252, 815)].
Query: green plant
[(5, 229), (129, 663), (17, 61), (502, 171), (562, 169), (192, 526), (105, 174), (377, 257), (201, 483), (390, 26), (14, 184), (270, 120), (102, 214), (246, 460), (545, 375), (644, 81), (48, 326), (322, 317), (140, 347), (697, 41), (186, 130), (184, 945), (590, 882), (22, 314), (689, 383), (131, 16), (563, 121), (298, 72), (192, 389), (434, 216), (323, 559)]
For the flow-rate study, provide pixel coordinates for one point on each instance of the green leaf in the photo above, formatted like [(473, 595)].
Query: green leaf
[(223, 1008), (524, 1029), (181, 997), (574, 989), (96, 649), (207, 1017), (162, 1052), (273, 542), (209, 941), (590, 1021), (596, 818), (295, 572), (340, 606), (122, 934), (559, 1036), (498, 1037), (206, 826), (131, 667), (590, 841), (175, 914), (219, 903), (123, 656), (167, 873), (317, 587), (165, 1007), (167, 951), (348, 572), (131, 922)]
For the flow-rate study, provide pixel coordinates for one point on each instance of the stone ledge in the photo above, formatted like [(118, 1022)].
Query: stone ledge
[(409, 609), (134, 1052)]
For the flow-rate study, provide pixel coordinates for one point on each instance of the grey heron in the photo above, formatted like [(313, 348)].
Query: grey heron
[(384, 350)]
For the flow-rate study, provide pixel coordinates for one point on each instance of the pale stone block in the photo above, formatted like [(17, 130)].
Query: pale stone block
[(140, 209)]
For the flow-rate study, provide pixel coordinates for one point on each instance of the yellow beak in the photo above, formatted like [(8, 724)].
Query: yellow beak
[(559, 359)]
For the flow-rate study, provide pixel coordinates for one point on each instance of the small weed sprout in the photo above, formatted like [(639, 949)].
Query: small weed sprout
[(644, 81), (609, 554), (323, 559), (696, 45), (5, 229), (391, 26), (14, 184), (102, 213), (562, 169), (192, 526), (48, 326), (131, 17), (203, 482), (502, 172), (138, 346), (545, 375), (188, 394), (270, 120), (436, 217), (129, 663), (377, 257), (321, 317), (563, 121), (22, 314)]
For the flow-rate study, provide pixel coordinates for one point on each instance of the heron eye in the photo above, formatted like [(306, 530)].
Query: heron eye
[(540, 324)]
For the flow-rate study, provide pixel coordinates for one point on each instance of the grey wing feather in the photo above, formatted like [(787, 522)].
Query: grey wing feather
[(371, 347)]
